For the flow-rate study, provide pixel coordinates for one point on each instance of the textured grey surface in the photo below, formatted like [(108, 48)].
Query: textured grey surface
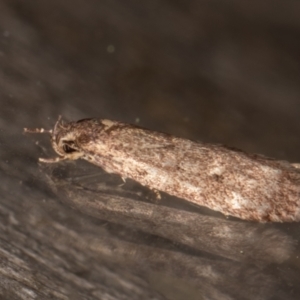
[(223, 72)]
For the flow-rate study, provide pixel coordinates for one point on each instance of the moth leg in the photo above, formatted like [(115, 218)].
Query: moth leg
[(124, 181), (52, 160), (296, 165), (156, 193)]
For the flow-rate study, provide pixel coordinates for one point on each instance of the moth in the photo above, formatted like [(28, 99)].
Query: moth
[(239, 184)]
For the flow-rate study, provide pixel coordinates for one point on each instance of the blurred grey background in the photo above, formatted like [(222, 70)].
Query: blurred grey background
[(216, 71)]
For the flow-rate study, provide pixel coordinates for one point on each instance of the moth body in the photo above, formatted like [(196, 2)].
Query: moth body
[(247, 186)]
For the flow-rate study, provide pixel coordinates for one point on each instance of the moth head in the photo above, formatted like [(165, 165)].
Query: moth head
[(64, 140)]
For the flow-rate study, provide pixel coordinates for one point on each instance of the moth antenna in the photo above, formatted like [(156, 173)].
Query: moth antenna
[(37, 130), (59, 123)]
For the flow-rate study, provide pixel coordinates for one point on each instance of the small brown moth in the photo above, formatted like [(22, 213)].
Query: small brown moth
[(247, 186)]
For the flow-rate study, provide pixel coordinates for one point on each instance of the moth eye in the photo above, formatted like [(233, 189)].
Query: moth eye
[(68, 149)]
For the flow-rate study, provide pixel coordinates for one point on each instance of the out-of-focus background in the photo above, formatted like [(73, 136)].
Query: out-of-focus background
[(222, 72)]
